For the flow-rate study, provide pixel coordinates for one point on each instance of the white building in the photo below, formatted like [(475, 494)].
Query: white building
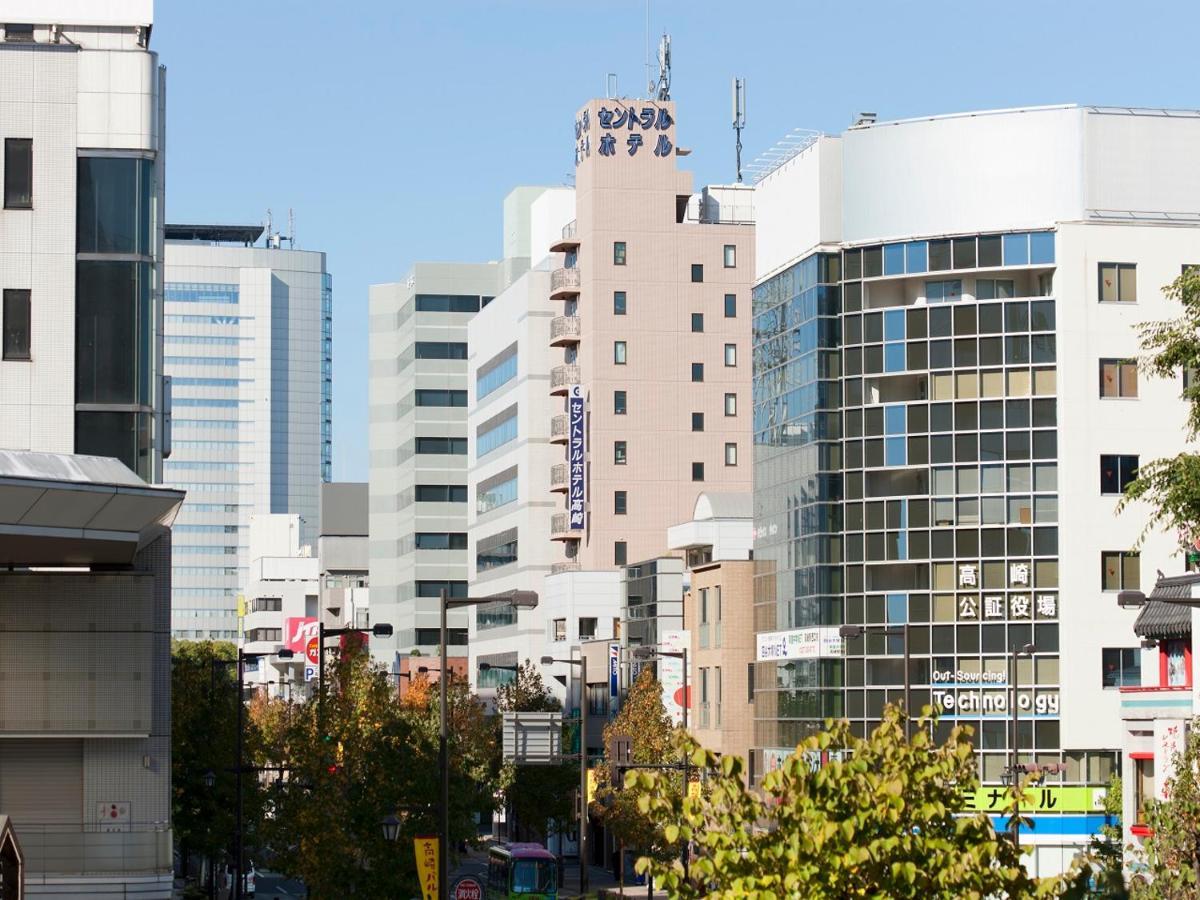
[(248, 349), (945, 417), (281, 598), (343, 552)]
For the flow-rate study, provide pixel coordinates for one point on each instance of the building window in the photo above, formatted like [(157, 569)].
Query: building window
[(730, 256), (731, 404), (943, 291), (697, 471), (1116, 471), (558, 630), (435, 588), (18, 32), (1118, 283), (619, 456), (496, 555), (18, 173), (619, 406), (15, 323), (1118, 378), (731, 306), (697, 272), (1121, 570), (618, 253), (440, 350), (994, 288), (618, 303), (447, 446), (441, 493), (587, 629), (274, 635), (454, 303), (1122, 667), (493, 494), (440, 540), (1143, 785), (620, 553), (1175, 663), (731, 454), (697, 371), (697, 322), (718, 692), (619, 353), (493, 434), (439, 397), (620, 503), (731, 354), (499, 370), (266, 604), (697, 421)]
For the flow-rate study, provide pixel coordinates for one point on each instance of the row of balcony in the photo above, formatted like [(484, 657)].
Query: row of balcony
[(564, 284), (564, 331), (569, 240)]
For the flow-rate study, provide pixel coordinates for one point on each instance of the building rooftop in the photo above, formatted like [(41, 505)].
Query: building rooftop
[(215, 234), (80, 12)]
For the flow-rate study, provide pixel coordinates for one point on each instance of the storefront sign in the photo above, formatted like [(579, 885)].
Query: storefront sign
[(576, 455), (298, 631), (614, 667), (1169, 737), (426, 847), (961, 677), (994, 703), (1038, 799), (805, 643)]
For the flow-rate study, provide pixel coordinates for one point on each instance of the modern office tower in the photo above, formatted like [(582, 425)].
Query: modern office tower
[(655, 331), (342, 550), (81, 242), (946, 411), (419, 451), (248, 344), (718, 618), (281, 602)]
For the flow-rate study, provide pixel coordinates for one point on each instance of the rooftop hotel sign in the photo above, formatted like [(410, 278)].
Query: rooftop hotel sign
[(625, 128)]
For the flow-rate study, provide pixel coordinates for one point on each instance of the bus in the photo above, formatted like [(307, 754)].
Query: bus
[(522, 872)]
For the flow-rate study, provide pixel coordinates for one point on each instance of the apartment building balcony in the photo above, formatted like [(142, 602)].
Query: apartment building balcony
[(1156, 702), (559, 427), (559, 478), (564, 284), (562, 377), (560, 528), (564, 331), (569, 240), (567, 565)]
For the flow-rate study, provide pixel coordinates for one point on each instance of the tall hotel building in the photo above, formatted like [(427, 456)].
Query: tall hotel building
[(248, 348), (945, 412)]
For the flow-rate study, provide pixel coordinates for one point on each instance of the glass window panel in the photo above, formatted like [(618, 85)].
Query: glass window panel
[(18, 173), (964, 352), (966, 385), (1044, 382), (852, 263), (964, 321), (1018, 383), (991, 383), (893, 325), (941, 417), (916, 323), (1041, 247), (1016, 316), (941, 355), (1016, 249), (15, 320), (113, 204), (968, 480), (894, 452), (114, 332), (918, 357), (991, 351), (991, 414), (991, 446), (992, 510), (985, 289), (964, 253), (872, 262), (917, 256), (1041, 315), (1019, 478), (893, 259), (939, 256), (991, 318), (894, 357), (989, 251), (1127, 284)]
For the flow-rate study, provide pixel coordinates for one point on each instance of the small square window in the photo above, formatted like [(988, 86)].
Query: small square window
[(620, 553), (1120, 570), (731, 454), (619, 353), (730, 256), (618, 303), (697, 272), (731, 306), (618, 403), (697, 371), (1116, 471), (731, 354), (619, 453), (620, 503), (697, 421), (1118, 283), (618, 253), (1118, 378), (731, 404), (1122, 667), (697, 322), (697, 471)]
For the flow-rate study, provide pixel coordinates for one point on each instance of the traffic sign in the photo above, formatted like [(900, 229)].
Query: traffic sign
[(468, 889), (313, 651), (310, 672)]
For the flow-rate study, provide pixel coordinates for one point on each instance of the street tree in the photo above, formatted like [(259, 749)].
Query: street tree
[(1170, 486), (538, 798), (885, 817), (1171, 852)]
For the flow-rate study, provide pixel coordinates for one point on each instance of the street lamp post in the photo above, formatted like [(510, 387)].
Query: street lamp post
[(1014, 764), (583, 760), (519, 600), (854, 631), (381, 630)]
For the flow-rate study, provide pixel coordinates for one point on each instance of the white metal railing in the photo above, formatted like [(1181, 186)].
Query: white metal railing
[(570, 230), (558, 475), (76, 850), (564, 376), (564, 326), (564, 279), (559, 425)]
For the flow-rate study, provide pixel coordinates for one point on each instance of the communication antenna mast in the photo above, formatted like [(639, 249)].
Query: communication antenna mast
[(662, 90), (739, 119), (291, 236)]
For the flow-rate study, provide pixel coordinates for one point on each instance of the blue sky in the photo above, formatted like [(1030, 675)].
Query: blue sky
[(394, 128)]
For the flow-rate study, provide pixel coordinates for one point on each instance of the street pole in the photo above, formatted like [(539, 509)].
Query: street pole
[(583, 770), (237, 888), (320, 671), (907, 687), (1016, 823), (687, 770), (443, 758)]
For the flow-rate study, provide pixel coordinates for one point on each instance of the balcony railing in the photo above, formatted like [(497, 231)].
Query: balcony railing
[(562, 377), (564, 283), (558, 477), (564, 330), (569, 239), (569, 565), (559, 428), (83, 850), (1156, 702), (560, 528)]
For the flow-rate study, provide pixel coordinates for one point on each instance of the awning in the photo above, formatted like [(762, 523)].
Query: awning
[(1162, 620)]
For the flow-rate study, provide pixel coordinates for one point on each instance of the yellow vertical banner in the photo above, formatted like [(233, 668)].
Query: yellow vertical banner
[(426, 847), (241, 613), (591, 785)]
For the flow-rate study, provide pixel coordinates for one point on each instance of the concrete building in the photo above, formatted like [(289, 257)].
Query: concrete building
[(281, 598), (718, 617), (342, 551), (945, 416), (249, 352)]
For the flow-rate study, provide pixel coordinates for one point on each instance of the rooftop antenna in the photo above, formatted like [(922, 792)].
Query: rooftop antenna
[(270, 227), (662, 90), (649, 77), (291, 238), (610, 88), (739, 119)]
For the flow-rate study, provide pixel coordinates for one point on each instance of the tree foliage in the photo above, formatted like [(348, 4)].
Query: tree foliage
[(1171, 486), (885, 819), (1172, 851)]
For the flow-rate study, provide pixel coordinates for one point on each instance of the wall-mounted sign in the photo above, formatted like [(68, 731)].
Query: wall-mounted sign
[(994, 703), (948, 676), (576, 459), (1039, 799), (614, 668), (671, 676), (625, 128), (804, 643), (298, 631), (113, 815)]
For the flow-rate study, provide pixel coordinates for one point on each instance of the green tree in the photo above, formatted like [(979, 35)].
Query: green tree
[(203, 740), (887, 819), (1171, 485), (538, 797), (1172, 851), (1106, 859)]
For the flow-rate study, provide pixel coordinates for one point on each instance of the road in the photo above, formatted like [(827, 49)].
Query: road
[(270, 886)]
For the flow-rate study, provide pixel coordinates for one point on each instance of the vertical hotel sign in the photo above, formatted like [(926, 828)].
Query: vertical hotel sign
[(576, 455)]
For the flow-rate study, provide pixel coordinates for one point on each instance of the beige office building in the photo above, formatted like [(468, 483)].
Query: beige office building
[(654, 330)]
